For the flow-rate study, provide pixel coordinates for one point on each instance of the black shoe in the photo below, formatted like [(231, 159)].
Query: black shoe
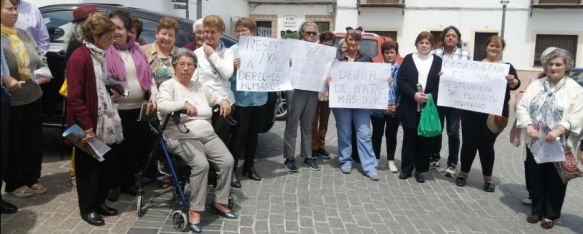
[(461, 180), (321, 153), (290, 164), (252, 174), (312, 164), (419, 177), (93, 219), (106, 210), (235, 181), (7, 208), (490, 186), (404, 175), (196, 228), (113, 194), (227, 215)]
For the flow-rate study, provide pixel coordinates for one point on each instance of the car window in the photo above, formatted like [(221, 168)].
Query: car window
[(367, 46), (58, 24)]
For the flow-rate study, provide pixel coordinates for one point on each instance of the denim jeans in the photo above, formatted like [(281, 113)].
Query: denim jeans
[(452, 117), (345, 118)]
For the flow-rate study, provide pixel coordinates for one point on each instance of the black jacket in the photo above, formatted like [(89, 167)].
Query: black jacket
[(407, 79)]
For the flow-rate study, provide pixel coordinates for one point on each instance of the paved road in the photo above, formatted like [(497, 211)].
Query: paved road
[(327, 201)]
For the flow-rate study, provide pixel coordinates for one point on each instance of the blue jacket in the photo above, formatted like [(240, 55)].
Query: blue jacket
[(245, 98)]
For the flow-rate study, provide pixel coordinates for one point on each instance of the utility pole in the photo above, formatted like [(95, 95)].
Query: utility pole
[(198, 9), (504, 3)]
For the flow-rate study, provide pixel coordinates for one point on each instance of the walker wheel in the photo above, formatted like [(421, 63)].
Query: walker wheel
[(179, 220), (140, 206)]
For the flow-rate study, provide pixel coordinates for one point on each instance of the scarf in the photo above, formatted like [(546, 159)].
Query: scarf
[(116, 68), (20, 52), (543, 107), (109, 128)]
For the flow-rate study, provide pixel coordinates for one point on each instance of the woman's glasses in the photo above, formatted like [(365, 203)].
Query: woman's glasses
[(311, 33)]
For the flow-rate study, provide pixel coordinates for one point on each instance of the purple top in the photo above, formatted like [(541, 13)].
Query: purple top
[(31, 20)]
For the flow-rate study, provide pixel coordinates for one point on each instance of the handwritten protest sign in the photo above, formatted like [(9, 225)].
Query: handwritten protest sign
[(359, 85), (264, 64), (474, 86), (310, 64)]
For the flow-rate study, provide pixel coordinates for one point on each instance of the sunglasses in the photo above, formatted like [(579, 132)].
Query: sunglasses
[(357, 30), (311, 33)]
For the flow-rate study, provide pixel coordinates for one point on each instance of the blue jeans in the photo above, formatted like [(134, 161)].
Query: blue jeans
[(452, 117), (345, 118)]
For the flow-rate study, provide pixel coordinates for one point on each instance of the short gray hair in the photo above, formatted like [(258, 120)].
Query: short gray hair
[(559, 53), (182, 52), (306, 24), (197, 23)]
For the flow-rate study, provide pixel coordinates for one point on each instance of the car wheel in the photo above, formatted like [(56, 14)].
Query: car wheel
[(281, 106)]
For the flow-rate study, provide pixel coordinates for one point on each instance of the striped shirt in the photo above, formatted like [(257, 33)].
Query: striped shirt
[(458, 53)]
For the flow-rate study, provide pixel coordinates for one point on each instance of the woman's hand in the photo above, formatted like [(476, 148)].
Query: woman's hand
[(190, 109), (532, 132), (12, 84), (225, 108), (208, 50), (391, 109), (42, 80), (328, 80), (237, 63), (89, 135), (420, 97), (115, 96), (512, 81), (554, 133)]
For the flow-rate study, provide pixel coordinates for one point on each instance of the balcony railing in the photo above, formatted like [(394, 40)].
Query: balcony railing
[(557, 3), (293, 1), (381, 3)]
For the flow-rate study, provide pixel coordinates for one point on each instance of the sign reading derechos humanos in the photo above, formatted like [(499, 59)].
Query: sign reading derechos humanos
[(474, 86), (359, 85)]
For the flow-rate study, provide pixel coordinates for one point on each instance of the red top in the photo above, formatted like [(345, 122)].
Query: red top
[(81, 90), (191, 46)]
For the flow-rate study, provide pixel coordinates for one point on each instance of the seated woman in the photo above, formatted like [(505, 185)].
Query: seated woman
[(193, 138)]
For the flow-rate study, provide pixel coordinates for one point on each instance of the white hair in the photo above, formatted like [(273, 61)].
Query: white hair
[(197, 23)]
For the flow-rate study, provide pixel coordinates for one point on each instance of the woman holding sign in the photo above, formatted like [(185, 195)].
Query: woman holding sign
[(550, 110), (479, 130), (248, 109), (418, 76), (359, 118), (302, 110)]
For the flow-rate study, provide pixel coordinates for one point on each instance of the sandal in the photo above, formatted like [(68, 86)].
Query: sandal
[(532, 218), (461, 180)]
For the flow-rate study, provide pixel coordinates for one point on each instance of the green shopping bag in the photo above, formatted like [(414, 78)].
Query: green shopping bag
[(429, 125)]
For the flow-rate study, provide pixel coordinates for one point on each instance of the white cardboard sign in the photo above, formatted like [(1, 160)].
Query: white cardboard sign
[(474, 86), (310, 64), (359, 85)]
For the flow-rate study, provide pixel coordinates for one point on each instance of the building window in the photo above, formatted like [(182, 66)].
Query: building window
[(391, 34), (323, 26), (480, 44), (543, 41), (436, 39), (264, 28)]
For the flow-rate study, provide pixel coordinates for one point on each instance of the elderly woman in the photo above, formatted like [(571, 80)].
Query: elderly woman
[(193, 138), (198, 36), (422, 69), (128, 65), (215, 67), (387, 117), (22, 58), (476, 136), (301, 110), (160, 52), (359, 119), (248, 109), (550, 110), (90, 106)]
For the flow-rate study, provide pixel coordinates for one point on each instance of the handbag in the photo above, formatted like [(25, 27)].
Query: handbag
[(572, 167), (429, 124)]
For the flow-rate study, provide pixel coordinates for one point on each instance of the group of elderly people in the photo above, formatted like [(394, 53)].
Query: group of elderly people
[(170, 79)]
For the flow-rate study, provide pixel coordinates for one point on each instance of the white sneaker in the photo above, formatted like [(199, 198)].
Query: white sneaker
[(434, 164), (450, 171), (392, 167), (527, 201)]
